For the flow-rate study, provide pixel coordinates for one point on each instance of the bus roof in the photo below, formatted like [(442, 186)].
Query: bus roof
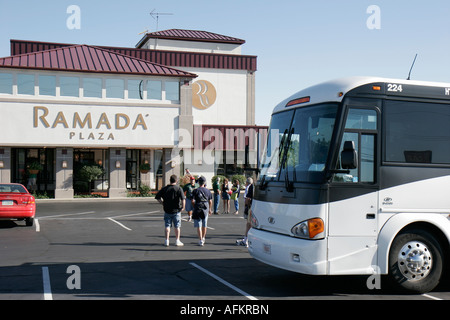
[(336, 90)]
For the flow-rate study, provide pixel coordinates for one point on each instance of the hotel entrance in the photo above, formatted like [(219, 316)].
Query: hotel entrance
[(90, 171), (133, 176), (27, 163)]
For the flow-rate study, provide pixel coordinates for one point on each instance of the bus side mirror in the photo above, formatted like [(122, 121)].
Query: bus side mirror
[(349, 157)]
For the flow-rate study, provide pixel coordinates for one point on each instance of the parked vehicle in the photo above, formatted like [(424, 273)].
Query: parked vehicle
[(356, 180), (17, 203)]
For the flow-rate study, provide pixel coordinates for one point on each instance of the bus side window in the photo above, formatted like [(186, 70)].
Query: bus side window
[(360, 127), (352, 176), (367, 157)]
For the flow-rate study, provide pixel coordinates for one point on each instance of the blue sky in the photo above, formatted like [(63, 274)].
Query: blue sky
[(298, 43)]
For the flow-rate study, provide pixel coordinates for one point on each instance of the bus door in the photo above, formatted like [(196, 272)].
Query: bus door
[(353, 204)]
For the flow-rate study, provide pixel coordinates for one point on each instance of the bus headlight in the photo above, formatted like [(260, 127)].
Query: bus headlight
[(309, 229)]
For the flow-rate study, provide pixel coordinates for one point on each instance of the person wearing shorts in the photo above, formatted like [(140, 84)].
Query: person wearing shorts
[(188, 188), (226, 190), (173, 200), (202, 201)]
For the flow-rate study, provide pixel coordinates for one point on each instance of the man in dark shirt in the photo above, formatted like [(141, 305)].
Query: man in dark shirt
[(188, 188), (173, 200), (202, 201)]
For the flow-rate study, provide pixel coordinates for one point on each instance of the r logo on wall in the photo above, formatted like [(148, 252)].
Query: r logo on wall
[(203, 94)]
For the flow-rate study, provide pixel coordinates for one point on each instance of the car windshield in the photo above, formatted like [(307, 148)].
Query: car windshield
[(7, 188), (298, 144)]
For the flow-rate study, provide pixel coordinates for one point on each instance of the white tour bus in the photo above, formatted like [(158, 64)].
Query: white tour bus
[(356, 180)]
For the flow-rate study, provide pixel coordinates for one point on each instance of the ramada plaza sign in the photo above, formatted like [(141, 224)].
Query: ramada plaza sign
[(81, 125), (102, 125)]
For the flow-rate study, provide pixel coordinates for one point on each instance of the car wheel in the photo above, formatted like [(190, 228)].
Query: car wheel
[(29, 222), (416, 261)]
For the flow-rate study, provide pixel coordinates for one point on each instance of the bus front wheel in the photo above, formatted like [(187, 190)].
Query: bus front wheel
[(416, 261)]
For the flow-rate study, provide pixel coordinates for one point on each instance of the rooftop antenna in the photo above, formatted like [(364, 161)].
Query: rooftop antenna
[(409, 74), (157, 14)]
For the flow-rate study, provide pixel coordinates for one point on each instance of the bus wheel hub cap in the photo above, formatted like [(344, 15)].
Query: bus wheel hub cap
[(414, 260)]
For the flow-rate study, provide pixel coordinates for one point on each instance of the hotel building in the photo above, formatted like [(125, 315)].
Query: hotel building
[(179, 99)]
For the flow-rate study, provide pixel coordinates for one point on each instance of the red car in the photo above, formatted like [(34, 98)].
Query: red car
[(17, 203)]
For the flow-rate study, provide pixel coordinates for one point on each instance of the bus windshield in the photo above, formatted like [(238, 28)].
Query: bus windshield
[(298, 144)]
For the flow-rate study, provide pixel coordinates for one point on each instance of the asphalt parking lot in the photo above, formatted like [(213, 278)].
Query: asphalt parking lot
[(109, 249)]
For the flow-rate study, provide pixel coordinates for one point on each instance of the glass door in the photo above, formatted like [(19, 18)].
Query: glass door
[(34, 168), (133, 160)]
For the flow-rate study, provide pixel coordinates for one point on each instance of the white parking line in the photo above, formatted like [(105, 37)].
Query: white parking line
[(229, 285), (135, 214), (64, 216), (125, 227), (67, 214), (192, 221), (46, 281), (431, 297)]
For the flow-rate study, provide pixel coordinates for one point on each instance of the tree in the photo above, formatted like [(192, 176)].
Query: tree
[(90, 173)]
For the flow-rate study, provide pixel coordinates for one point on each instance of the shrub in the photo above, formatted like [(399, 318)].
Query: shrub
[(220, 177), (144, 167), (35, 166), (91, 173), (144, 190), (241, 178)]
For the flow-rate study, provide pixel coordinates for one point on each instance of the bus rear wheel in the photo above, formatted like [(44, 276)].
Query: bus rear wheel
[(416, 261)]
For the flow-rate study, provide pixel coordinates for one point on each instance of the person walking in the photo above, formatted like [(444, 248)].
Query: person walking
[(248, 198), (173, 200), (188, 188), (202, 202)]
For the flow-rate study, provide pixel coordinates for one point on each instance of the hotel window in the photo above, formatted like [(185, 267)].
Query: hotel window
[(70, 86), (92, 87), (172, 90), (135, 89), (6, 83), (115, 88), (154, 90), (47, 85), (25, 84)]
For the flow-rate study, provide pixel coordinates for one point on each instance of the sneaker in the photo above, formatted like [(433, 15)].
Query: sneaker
[(201, 243), (242, 242), (166, 243), (178, 243)]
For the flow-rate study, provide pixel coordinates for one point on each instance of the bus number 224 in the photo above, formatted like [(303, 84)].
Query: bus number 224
[(392, 87)]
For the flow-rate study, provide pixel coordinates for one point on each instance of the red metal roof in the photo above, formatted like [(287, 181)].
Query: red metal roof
[(189, 35), (168, 58), (84, 58), (193, 59)]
